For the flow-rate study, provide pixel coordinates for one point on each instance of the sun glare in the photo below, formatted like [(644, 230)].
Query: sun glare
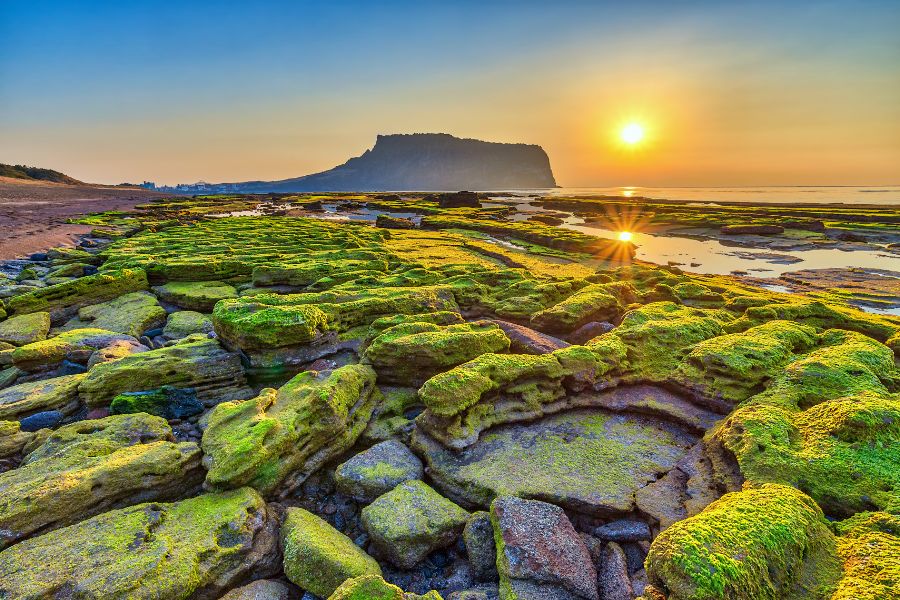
[(632, 133), (624, 236)]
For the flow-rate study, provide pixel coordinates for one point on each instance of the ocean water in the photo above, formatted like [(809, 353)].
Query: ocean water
[(874, 194)]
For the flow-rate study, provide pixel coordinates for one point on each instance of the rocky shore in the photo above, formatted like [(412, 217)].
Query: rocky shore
[(448, 405)]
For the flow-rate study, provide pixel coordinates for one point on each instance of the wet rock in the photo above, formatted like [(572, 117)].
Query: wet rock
[(539, 554), (589, 331), (42, 420), (311, 419), (91, 466), (479, 539), (166, 402), (377, 471), (455, 200), (25, 329), (183, 323), (196, 548), (410, 353), (201, 364), (623, 530), (588, 460), (58, 393), (131, 314), (612, 579), (411, 521), (262, 589), (319, 558), (524, 340), (198, 296)]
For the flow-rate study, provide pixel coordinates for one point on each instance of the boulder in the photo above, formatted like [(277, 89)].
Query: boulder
[(47, 419), (195, 295), (596, 302), (411, 521), (196, 548), (261, 589), (166, 402), (63, 300), (524, 340), (318, 557), (377, 471), (12, 439), (478, 536), (25, 329), (612, 578), (275, 441), (58, 393), (758, 543), (462, 199), (587, 460), (411, 353), (90, 466), (183, 323), (131, 314), (200, 364), (389, 222), (540, 556)]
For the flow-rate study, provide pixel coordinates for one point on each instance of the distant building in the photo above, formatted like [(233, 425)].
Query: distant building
[(149, 185)]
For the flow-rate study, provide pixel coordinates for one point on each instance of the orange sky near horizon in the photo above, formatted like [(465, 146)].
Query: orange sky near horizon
[(728, 96)]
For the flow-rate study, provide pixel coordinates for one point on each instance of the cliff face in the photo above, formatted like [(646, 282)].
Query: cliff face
[(426, 162)]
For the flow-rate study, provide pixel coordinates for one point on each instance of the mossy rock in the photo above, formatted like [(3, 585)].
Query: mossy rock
[(196, 548), (373, 587), (377, 471), (319, 558), (57, 393), (201, 364), (281, 437), (598, 302), (411, 353), (869, 548), (25, 329), (63, 299), (131, 314), (12, 439), (411, 521), (587, 460), (166, 402), (501, 388), (770, 542), (77, 344), (92, 466), (195, 295), (183, 323)]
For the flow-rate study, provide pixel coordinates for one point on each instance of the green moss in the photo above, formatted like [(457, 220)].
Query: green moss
[(319, 558), (25, 329), (770, 542), (246, 324), (57, 393), (373, 587), (869, 547), (413, 352), (598, 302), (288, 434), (131, 314), (147, 551), (195, 295), (56, 299)]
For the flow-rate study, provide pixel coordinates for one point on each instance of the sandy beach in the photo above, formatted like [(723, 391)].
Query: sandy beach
[(33, 214)]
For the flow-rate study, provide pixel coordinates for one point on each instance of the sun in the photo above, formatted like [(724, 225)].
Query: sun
[(632, 133), (624, 236)]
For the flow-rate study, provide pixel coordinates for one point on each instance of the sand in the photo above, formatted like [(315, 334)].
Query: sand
[(33, 214)]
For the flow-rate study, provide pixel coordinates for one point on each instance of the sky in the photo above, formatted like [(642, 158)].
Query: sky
[(728, 93)]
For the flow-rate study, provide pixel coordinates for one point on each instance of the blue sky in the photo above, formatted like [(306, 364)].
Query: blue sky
[(730, 93)]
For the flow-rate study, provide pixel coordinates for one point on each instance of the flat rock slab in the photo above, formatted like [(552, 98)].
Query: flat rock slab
[(588, 460)]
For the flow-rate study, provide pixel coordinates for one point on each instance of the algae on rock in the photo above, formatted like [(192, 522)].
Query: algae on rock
[(195, 548), (275, 441)]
